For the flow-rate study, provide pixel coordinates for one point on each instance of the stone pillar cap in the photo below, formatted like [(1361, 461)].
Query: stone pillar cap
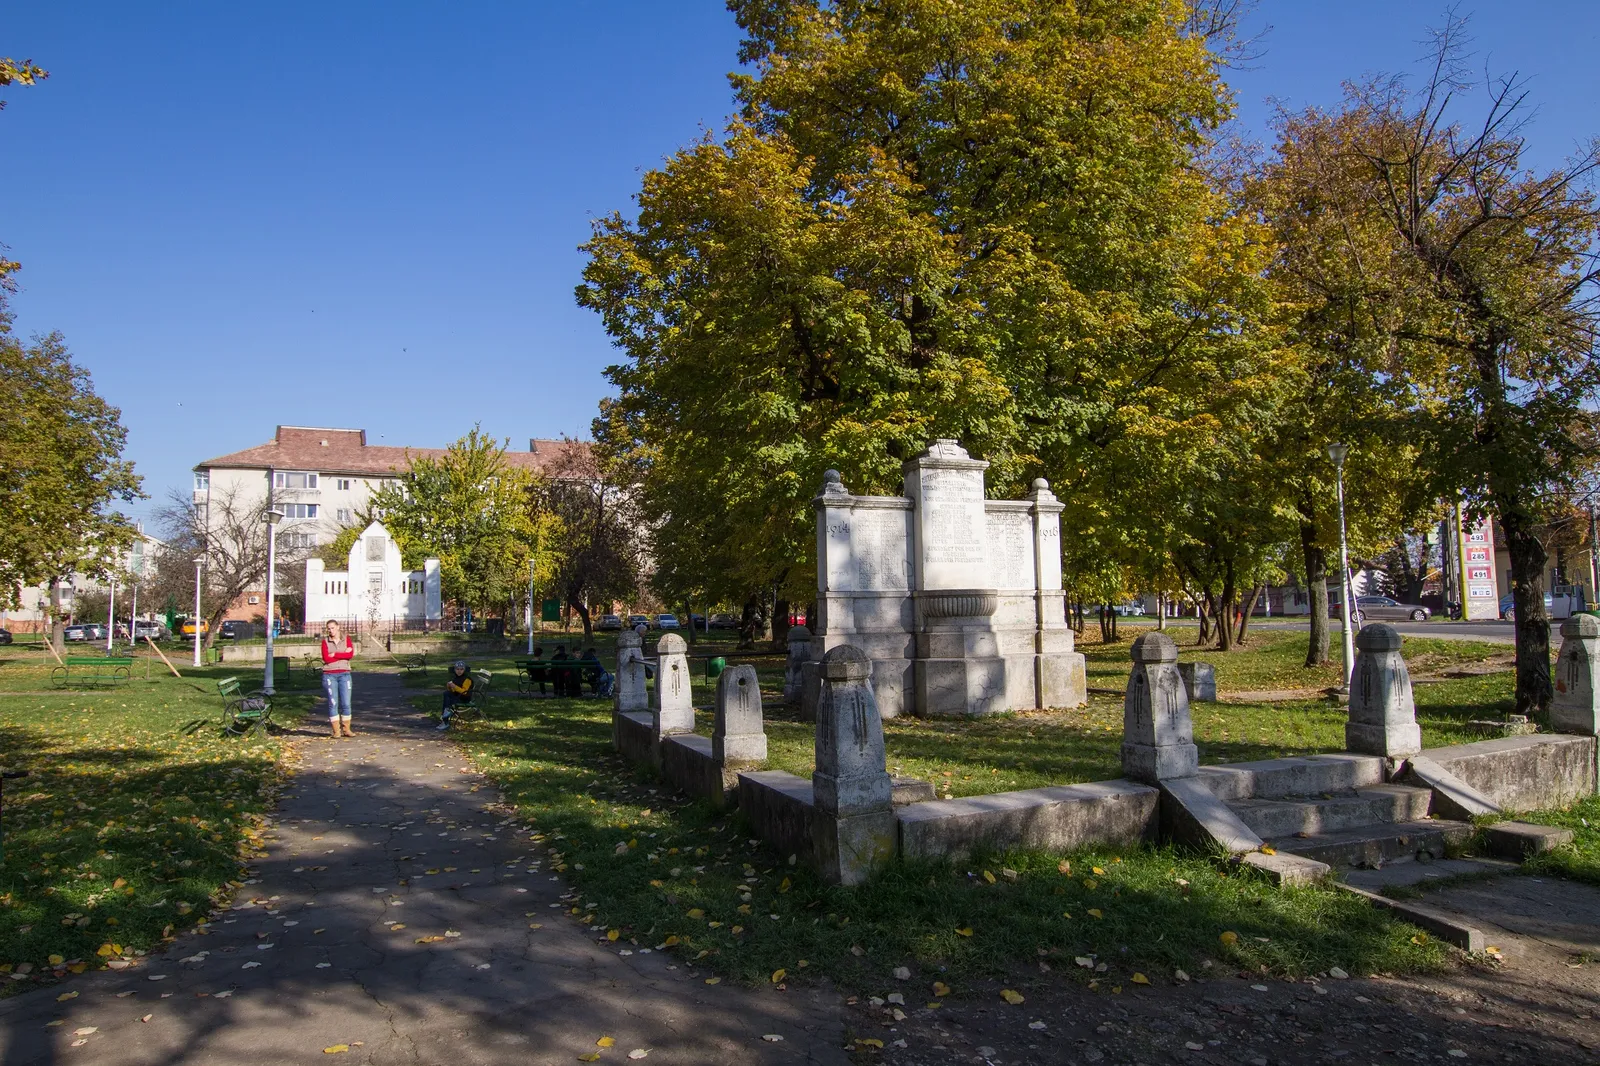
[(1581, 627), (846, 663), (1378, 637), (671, 644), (798, 633), (629, 639), (833, 484), (1154, 647)]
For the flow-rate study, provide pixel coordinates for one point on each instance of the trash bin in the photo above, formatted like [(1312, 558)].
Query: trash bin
[(280, 670), (715, 664)]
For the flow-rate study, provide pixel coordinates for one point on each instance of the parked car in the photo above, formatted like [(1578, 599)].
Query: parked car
[(697, 621), (1128, 610), (153, 630), (667, 621), (84, 631), (1384, 609), (187, 628), (636, 620), (609, 622), (723, 620), (1508, 607), (232, 630), (5, 636), (74, 633)]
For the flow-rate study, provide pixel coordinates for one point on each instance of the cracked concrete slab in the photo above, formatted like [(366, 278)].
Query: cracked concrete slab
[(320, 946)]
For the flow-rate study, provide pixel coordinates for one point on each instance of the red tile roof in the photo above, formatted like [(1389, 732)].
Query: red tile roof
[(346, 451)]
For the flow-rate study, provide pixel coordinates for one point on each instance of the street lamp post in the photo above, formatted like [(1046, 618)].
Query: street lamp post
[(532, 567), (1337, 453), (272, 518), (199, 561), (111, 615)]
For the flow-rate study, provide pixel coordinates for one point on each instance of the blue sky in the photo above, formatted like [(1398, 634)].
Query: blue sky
[(367, 214)]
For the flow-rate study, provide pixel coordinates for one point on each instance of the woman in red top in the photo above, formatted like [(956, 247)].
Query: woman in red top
[(337, 651)]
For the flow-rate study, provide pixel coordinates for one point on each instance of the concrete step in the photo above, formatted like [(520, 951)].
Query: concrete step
[(1334, 811), (1374, 845), (1308, 776)]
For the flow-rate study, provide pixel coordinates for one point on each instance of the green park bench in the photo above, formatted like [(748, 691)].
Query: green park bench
[(92, 670), (243, 711)]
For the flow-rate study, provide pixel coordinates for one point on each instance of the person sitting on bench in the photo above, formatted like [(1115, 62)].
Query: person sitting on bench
[(457, 691), (563, 675), (538, 671), (596, 675)]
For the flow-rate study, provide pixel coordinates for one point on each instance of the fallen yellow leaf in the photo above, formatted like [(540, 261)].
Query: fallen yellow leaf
[(964, 932), (713, 980), (1229, 938), (989, 877), (869, 1041), (1011, 996), (335, 1049), (57, 960), (1140, 979), (779, 974), (613, 934), (1268, 849), (697, 913), (941, 989), (593, 1056), (605, 1041), (63, 997), (1097, 871), (672, 941), (1064, 867), (1094, 912)]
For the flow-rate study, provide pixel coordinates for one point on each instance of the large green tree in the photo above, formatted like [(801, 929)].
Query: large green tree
[(469, 509), (982, 220)]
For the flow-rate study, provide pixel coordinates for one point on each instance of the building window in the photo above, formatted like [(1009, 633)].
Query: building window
[(298, 510), (342, 514), (202, 480), (300, 540), (343, 484), (293, 479)]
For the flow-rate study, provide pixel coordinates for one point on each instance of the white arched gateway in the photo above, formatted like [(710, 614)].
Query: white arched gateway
[(373, 589)]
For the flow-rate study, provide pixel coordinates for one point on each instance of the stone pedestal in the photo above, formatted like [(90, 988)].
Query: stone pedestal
[(672, 708), (1383, 716), (799, 645), (854, 832), (738, 737), (1199, 681), (1575, 705), (632, 691), (1157, 734), (958, 669)]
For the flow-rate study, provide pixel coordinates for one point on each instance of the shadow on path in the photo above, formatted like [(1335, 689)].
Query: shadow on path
[(381, 841)]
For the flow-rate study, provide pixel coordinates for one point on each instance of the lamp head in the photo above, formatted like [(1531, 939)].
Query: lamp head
[(273, 517), (1337, 453)]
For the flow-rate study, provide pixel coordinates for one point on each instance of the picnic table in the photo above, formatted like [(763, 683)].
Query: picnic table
[(92, 670)]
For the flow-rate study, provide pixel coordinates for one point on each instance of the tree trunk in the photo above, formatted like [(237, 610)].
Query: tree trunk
[(780, 623), (1161, 611), (1203, 611), (58, 627), (1316, 561), (577, 604), (1244, 615), (688, 616), (1528, 559), (1225, 612)]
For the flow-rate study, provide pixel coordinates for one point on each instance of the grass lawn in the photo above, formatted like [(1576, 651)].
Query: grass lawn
[(658, 871), (129, 825)]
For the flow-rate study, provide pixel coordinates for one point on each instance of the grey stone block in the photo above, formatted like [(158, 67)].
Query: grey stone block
[(1158, 735), (1442, 924), (1305, 776), (1452, 797), (1524, 773), (850, 776), (904, 790), (1061, 818), (687, 764), (1279, 818), (1518, 840), (1383, 716), (1284, 868), (779, 808), (1200, 681), (634, 735), (848, 849), (1191, 815), (1575, 704)]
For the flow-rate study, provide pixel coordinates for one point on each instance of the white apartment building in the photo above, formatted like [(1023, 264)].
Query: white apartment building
[(31, 615), (322, 478)]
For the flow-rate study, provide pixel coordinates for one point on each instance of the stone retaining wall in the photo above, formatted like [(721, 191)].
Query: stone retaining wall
[(1525, 773)]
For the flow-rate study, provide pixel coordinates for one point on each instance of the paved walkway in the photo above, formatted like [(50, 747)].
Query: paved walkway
[(320, 948)]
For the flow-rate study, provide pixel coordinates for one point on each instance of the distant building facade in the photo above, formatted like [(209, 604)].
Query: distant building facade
[(373, 589)]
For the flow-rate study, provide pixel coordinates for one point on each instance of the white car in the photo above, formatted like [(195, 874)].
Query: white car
[(667, 621)]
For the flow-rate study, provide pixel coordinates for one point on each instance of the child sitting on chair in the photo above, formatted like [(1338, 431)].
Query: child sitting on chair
[(457, 690)]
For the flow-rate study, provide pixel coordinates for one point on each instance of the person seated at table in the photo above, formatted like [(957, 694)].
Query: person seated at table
[(457, 691), (538, 670)]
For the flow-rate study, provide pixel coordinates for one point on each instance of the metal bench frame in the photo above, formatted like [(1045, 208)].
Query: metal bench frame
[(243, 711), (109, 670)]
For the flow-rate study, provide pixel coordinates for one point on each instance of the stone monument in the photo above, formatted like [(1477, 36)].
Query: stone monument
[(1199, 681), (799, 644), (633, 693), (955, 599), (1383, 716), (1575, 705), (738, 739), (854, 826), (1157, 732), (672, 709)]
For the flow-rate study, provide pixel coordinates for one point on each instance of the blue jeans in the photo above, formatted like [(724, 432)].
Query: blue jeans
[(337, 686)]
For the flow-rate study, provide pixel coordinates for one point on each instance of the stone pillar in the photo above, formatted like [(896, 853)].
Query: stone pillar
[(854, 825), (794, 670), (1383, 717), (738, 740), (1575, 706), (1060, 674), (633, 692), (672, 709), (1157, 733)]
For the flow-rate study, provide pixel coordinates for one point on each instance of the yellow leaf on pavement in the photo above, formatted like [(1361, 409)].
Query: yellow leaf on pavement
[(1011, 996), (1268, 849), (869, 1041), (63, 997), (335, 1049), (593, 1056), (612, 934), (941, 989), (605, 1041), (713, 980)]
